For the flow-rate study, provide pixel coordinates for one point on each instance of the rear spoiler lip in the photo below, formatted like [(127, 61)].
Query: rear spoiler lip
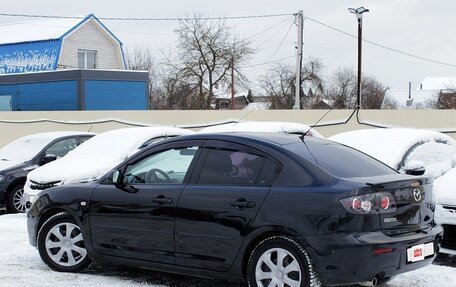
[(387, 179)]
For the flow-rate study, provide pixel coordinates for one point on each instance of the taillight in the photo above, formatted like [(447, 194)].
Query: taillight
[(372, 203), (385, 203)]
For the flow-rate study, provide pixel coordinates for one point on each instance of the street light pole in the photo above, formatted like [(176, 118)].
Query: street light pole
[(359, 15)]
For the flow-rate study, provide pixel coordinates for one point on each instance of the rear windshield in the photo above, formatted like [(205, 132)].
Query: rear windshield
[(339, 160)]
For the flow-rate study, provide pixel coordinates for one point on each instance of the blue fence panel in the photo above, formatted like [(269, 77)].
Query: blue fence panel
[(116, 95), (49, 96)]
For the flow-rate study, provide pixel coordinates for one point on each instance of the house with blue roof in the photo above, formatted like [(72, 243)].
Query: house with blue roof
[(48, 45), (73, 63)]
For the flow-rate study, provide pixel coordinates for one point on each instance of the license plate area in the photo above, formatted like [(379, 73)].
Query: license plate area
[(420, 252)]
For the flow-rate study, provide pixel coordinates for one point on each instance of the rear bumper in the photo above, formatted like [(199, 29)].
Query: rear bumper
[(345, 259)]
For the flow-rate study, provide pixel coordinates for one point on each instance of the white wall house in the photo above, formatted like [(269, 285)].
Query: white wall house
[(47, 45), (424, 96)]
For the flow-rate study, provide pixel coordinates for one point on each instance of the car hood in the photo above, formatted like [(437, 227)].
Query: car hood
[(445, 188), (6, 164), (76, 170)]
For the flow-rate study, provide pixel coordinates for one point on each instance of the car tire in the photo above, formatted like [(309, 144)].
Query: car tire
[(61, 244), (16, 200), (295, 267)]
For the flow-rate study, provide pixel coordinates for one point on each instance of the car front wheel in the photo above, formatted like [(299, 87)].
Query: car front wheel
[(280, 261), (16, 200), (61, 244)]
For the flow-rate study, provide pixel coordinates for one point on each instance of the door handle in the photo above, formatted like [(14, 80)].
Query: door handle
[(161, 199), (242, 203)]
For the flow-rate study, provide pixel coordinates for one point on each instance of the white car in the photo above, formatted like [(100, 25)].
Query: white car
[(95, 157), (24, 154), (414, 151), (274, 127)]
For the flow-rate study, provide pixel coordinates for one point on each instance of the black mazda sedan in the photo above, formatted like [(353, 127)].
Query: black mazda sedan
[(267, 209)]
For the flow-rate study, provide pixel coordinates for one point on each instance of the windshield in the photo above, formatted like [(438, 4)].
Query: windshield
[(23, 149), (341, 161)]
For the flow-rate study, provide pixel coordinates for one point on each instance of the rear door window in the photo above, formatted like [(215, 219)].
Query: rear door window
[(231, 167)]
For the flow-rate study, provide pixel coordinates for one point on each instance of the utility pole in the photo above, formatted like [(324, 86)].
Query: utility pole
[(300, 23), (232, 83)]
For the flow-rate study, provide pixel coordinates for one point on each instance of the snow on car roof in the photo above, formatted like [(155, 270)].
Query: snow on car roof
[(389, 145), (25, 148), (99, 154), (274, 127), (120, 141)]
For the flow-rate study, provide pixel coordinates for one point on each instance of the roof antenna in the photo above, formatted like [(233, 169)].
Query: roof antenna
[(316, 123)]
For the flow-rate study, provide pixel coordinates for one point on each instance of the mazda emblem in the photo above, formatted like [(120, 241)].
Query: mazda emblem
[(417, 194)]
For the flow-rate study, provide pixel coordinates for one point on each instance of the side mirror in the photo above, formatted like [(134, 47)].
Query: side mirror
[(415, 167), (118, 180), (47, 159)]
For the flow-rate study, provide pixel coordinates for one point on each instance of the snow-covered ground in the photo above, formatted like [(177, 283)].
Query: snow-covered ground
[(20, 265)]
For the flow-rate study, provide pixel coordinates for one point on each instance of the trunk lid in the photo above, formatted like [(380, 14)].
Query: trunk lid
[(414, 200)]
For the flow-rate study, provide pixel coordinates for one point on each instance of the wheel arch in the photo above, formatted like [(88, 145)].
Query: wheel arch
[(48, 214), (257, 239), (14, 183)]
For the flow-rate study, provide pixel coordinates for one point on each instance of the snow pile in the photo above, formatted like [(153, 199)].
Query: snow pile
[(99, 154), (25, 148), (273, 127), (445, 188), (22, 266), (396, 146)]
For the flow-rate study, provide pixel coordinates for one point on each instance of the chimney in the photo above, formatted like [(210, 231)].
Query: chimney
[(410, 90)]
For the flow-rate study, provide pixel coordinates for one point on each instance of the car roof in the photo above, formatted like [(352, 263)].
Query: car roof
[(55, 135), (280, 139)]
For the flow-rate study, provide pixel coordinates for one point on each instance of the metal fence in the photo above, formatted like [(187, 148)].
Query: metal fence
[(16, 124)]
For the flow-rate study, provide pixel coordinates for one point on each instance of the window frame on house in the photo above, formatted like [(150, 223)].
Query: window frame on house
[(86, 54)]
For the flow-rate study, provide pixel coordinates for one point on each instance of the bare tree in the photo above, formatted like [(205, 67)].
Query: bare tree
[(140, 58), (372, 93), (279, 84), (206, 51), (341, 90), (389, 103)]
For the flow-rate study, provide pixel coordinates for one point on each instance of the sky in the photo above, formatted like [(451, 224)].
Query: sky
[(420, 27)]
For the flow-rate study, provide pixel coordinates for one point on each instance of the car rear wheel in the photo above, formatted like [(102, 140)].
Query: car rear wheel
[(16, 200), (61, 244), (280, 261)]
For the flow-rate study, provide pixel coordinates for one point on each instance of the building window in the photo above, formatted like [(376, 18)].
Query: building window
[(87, 59)]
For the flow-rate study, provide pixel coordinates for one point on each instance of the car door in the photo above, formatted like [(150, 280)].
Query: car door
[(136, 220), (219, 205)]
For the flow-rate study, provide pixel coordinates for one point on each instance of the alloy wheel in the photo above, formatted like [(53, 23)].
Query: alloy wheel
[(19, 200)]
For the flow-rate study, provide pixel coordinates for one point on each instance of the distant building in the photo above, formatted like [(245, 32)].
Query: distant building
[(67, 64), (433, 92)]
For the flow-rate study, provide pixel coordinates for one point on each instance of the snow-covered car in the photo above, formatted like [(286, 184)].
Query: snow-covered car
[(95, 157), (270, 127), (411, 151), (22, 155)]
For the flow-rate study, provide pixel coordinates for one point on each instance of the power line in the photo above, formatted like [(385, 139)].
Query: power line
[(382, 46), (270, 62), (146, 19)]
